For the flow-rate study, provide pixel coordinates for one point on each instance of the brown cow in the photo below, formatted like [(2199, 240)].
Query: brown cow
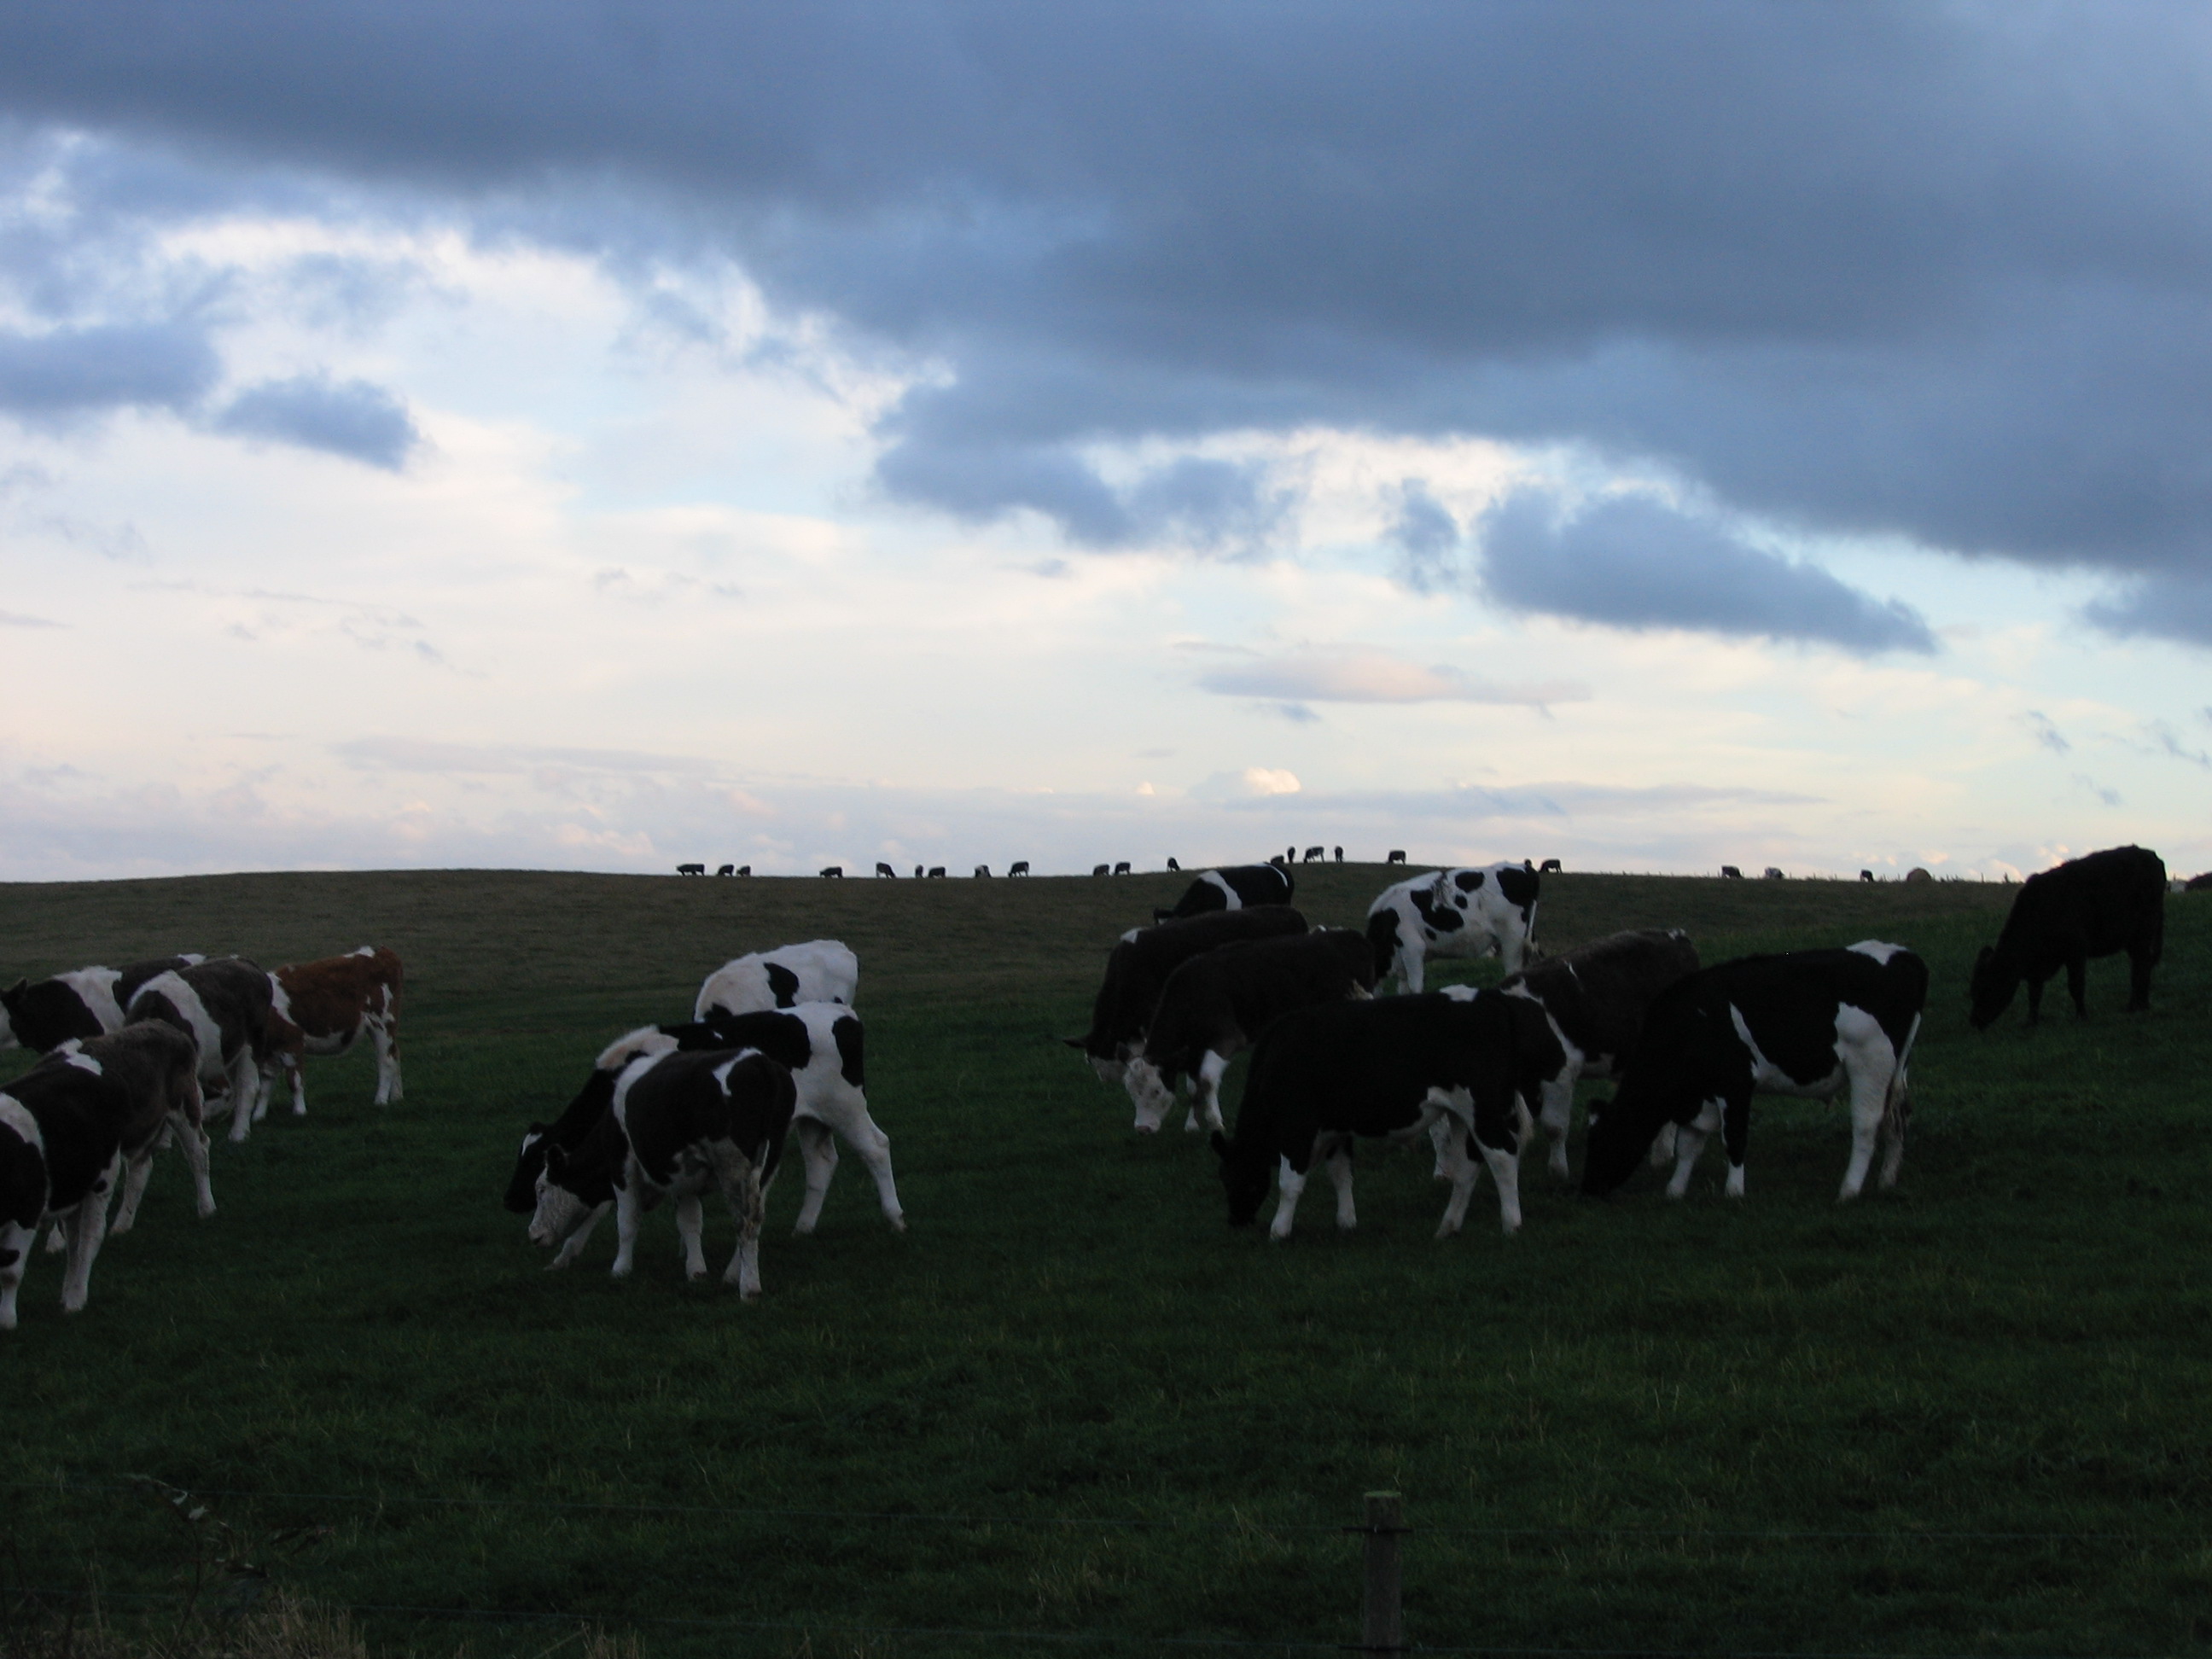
[(323, 1007)]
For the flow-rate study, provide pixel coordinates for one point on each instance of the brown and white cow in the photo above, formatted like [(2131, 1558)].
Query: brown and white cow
[(325, 1007)]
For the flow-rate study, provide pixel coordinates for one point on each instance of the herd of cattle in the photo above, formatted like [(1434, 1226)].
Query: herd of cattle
[(135, 1058)]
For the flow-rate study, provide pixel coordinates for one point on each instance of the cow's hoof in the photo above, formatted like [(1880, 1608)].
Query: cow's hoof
[(804, 1230), (206, 1210), (898, 1224)]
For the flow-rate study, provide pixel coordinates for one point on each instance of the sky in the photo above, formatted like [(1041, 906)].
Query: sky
[(605, 436)]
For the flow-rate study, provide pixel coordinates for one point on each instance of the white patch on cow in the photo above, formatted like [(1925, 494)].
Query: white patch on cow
[(84, 1062), (172, 989), (95, 989), (646, 1040), (1879, 951), (280, 998), (1230, 900), (1130, 938), (1149, 1092), (363, 950), (825, 969), (15, 1116)]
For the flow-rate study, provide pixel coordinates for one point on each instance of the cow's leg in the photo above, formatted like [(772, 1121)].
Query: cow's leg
[(1689, 1141), (15, 1242), (1210, 1072), (1440, 1134), (194, 1140), (874, 1147), (2035, 1001), (2140, 962), (245, 1076), (741, 1188), (1338, 1160), (689, 1224), (86, 1228), (628, 1214), (817, 1150), (1736, 1138), (1411, 968), (1662, 1146), (1462, 1170), (2077, 984), (1292, 1183), (135, 1174), (1896, 1118), (289, 1063), (1558, 1116), (1871, 1074), (385, 1039), (56, 1237), (573, 1246)]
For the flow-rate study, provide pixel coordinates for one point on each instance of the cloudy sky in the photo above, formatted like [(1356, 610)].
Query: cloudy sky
[(603, 435)]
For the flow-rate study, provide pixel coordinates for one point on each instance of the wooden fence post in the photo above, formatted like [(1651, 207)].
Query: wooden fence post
[(1383, 1621)]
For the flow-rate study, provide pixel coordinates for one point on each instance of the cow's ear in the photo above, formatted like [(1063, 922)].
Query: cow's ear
[(557, 1159), (17, 989)]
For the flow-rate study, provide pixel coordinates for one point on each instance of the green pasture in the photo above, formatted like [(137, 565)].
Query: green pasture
[(1966, 1417)]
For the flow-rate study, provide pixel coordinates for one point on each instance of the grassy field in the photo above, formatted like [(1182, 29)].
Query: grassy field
[(1966, 1417)]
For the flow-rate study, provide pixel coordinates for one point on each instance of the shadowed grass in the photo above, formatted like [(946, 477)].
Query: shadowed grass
[(1601, 1425)]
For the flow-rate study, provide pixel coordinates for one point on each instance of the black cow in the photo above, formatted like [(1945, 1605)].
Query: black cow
[(1728, 872), (1596, 997), (833, 871), (1215, 1005), (691, 869), (1397, 856), (1811, 1023), (1139, 964), (1314, 855), (727, 870), (83, 1003), (1018, 867), (2092, 906), (678, 1123), (224, 1006), (883, 870), (1389, 1069), (1233, 888), (937, 870)]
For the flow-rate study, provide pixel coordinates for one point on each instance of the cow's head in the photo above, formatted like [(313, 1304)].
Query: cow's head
[(558, 1213), (1621, 1131), (1150, 1093), (1244, 1174), (1990, 990), (522, 1186)]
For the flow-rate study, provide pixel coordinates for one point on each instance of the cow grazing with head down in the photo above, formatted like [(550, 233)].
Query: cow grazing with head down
[(325, 1007), (1139, 964), (676, 1124), (1596, 997), (224, 1006), (883, 871), (1453, 912), (1388, 1069), (85, 1002), (820, 1044), (1215, 1005), (1234, 888), (1018, 867), (2092, 906), (68, 1128), (1815, 1023), (820, 970)]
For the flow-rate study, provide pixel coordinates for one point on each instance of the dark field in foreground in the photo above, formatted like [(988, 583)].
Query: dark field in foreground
[(1966, 1417)]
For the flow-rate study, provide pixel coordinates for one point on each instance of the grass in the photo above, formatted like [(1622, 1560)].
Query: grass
[(1966, 1417)]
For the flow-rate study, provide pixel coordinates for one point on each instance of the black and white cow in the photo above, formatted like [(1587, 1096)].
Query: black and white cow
[(223, 1005), (1234, 888), (820, 970), (2092, 906), (1453, 912), (1816, 1023), (1139, 964), (678, 1124), (83, 1003), (1214, 1006), (1596, 997), (822, 1044), (1390, 1069), (68, 1126)]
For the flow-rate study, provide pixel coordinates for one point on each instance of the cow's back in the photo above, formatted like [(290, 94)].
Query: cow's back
[(2094, 905)]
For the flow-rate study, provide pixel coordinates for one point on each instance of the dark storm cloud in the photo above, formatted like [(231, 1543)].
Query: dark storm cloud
[(353, 419), (1633, 561), (1939, 272)]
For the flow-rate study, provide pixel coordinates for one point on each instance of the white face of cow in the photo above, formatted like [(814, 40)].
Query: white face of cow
[(1153, 1098), (1113, 1067), (560, 1213)]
